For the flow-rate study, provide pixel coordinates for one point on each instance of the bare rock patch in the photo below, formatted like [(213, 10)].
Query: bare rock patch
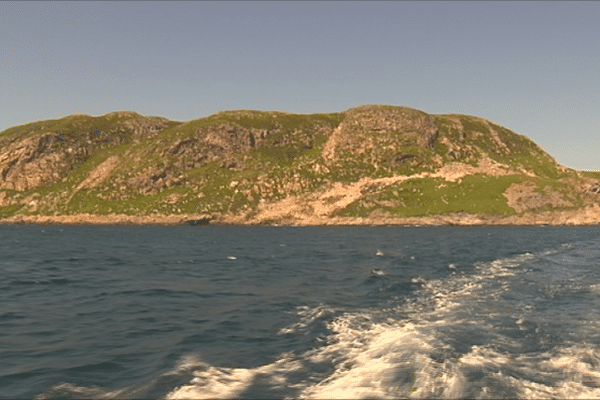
[(524, 196)]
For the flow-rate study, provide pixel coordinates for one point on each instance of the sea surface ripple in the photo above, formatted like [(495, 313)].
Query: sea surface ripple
[(281, 312)]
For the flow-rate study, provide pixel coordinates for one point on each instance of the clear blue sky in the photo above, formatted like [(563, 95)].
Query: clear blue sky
[(531, 66)]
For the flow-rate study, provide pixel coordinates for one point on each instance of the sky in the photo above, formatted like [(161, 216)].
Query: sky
[(532, 66)]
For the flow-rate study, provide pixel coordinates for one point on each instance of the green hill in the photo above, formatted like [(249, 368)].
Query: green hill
[(367, 164)]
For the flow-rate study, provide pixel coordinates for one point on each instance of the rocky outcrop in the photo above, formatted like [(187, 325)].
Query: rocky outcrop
[(47, 157), (583, 217), (154, 179), (144, 128), (376, 130), (411, 124), (35, 161), (526, 197), (593, 188), (214, 143)]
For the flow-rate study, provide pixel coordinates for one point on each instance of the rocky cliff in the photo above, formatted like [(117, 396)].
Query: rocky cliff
[(367, 165)]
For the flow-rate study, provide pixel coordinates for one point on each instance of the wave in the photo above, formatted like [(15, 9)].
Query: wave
[(519, 327), (469, 336)]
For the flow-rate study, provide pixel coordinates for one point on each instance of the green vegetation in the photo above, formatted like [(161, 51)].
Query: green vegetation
[(230, 161), (476, 194)]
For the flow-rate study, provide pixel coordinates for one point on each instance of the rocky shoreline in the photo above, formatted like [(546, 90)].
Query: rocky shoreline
[(582, 217)]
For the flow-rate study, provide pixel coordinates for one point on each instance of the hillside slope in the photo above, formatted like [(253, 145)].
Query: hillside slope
[(367, 165)]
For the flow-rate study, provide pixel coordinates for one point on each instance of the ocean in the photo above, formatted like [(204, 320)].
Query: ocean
[(175, 312)]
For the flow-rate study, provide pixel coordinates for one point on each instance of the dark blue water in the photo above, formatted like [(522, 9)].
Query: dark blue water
[(193, 312)]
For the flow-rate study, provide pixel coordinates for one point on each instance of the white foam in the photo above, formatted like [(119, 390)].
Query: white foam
[(565, 373), (212, 382), (413, 359), (378, 360), (308, 315), (75, 391), (376, 354), (215, 383)]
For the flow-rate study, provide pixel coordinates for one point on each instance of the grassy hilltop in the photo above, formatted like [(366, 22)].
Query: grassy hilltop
[(367, 164)]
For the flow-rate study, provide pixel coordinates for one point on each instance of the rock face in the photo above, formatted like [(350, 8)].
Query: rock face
[(44, 158), (214, 143), (393, 123), (32, 162), (381, 130), (367, 165), (523, 197)]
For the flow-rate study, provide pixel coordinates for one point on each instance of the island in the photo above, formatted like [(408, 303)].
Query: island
[(369, 165)]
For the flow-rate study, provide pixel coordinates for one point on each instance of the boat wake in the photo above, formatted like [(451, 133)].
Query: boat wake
[(484, 335), (523, 327)]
